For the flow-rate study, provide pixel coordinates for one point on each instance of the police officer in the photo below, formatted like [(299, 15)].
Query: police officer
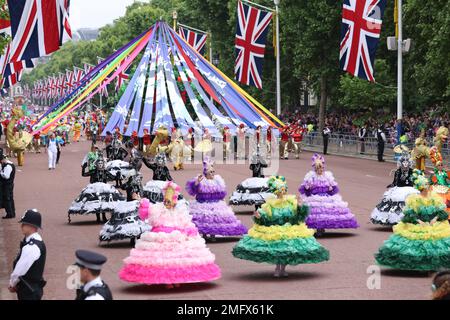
[(27, 277), (7, 175), (93, 288), (326, 133), (381, 139)]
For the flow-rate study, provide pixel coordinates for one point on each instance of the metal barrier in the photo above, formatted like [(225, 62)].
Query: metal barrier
[(350, 145)]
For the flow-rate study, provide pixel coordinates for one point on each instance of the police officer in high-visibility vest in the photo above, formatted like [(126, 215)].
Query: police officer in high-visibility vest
[(93, 288), (27, 277)]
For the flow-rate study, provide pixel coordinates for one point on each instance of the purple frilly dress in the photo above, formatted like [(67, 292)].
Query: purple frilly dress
[(211, 215), (327, 209)]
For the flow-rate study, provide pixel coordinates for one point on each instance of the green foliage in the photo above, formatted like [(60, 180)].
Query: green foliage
[(310, 35)]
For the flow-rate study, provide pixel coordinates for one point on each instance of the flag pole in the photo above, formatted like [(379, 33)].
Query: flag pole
[(277, 22), (400, 70)]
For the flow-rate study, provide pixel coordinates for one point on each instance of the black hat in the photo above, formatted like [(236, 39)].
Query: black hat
[(33, 218), (89, 259)]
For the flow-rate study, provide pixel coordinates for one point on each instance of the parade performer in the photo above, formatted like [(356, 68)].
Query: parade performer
[(284, 143), (241, 133), (440, 179), (319, 191), (421, 241), (297, 137), (125, 223), (159, 168), (204, 146), (98, 197), (115, 150), (420, 151), (280, 235), (77, 127), (173, 251), (226, 142), (178, 150), (440, 138), (18, 142), (253, 191), (133, 185), (210, 213), (390, 210), (147, 141)]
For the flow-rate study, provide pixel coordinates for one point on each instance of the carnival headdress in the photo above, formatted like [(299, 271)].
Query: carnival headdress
[(160, 157), (277, 184), (318, 160), (405, 157), (171, 192), (419, 180), (208, 165)]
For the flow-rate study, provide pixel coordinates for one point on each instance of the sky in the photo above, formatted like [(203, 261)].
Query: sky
[(96, 13)]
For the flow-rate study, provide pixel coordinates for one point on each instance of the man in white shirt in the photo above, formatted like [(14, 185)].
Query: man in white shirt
[(27, 277), (90, 264), (381, 139), (7, 175)]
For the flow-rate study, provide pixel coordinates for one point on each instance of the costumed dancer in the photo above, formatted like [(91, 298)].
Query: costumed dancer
[(421, 241), (125, 223), (440, 179), (241, 133), (420, 151), (77, 127), (98, 197), (204, 146), (253, 191), (319, 191), (390, 210), (212, 216), (226, 142), (178, 150), (173, 251), (280, 235)]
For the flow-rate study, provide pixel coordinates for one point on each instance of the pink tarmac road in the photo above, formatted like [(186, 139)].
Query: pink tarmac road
[(345, 276)]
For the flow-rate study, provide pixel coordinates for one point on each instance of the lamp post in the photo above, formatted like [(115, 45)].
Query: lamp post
[(277, 53), (175, 17)]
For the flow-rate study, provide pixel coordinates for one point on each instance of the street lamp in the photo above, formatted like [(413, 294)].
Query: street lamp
[(175, 17), (277, 53)]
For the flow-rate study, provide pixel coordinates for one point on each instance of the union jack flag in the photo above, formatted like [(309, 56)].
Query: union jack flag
[(78, 75), (69, 80), (196, 40), (38, 27), (121, 78), (10, 80), (360, 35), (251, 35)]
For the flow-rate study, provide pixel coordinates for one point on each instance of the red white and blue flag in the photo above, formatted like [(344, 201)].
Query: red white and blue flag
[(78, 75), (360, 35), (104, 89), (5, 23), (196, 40), (250, 43), (69, 81), (121, 78), (38, 27)]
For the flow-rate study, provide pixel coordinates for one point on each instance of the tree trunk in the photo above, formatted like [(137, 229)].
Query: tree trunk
[(323, 102)]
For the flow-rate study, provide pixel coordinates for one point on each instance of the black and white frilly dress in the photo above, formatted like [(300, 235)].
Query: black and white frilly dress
[(124, 223), (252, 191), (97, 197), (115, 166), (390, 210)]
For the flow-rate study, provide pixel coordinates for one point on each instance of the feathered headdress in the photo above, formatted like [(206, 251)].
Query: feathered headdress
[(208, 164), (318, 160), (419, 180), (405, 157), (160, 157), (277, 183), (171, 192)]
